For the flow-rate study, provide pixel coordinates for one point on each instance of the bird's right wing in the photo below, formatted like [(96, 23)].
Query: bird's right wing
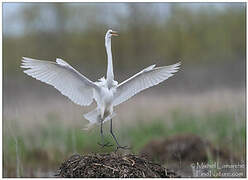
[(63, 77), (144, 79)]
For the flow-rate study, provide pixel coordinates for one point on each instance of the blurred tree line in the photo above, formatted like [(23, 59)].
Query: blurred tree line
[(161, 33)]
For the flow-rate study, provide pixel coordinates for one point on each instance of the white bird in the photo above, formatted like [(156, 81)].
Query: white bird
[(106, 92)]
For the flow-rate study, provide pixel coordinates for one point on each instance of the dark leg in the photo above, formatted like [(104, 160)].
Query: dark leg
[(102, 137), (101, 133), (118, 145)]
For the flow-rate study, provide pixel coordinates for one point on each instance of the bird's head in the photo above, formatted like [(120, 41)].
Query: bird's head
[(111, 33)]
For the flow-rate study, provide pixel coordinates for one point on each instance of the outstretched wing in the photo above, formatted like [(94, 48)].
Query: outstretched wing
[(144, 79), (63, 77)]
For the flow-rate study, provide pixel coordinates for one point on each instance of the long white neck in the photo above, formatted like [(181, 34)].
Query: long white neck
[(110, 74)]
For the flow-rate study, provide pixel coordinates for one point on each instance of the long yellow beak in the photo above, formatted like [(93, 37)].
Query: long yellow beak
[(114, 33)]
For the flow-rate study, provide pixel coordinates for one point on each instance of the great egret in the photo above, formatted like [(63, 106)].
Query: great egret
[(106, 92)]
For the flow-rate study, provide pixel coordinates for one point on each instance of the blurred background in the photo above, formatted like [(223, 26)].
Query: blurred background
[(206, 97)]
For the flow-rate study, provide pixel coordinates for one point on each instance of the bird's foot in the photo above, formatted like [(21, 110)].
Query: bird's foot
[(123, 147), (105, 144)]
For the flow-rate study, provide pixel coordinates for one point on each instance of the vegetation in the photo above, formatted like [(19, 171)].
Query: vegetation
[(41, 128), (207, 33), (48, 145)]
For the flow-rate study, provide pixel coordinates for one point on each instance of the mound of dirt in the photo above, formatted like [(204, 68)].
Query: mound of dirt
[(185, 148), (111, 165)]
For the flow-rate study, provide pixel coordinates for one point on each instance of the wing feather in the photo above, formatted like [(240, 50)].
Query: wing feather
[(63, 77), (146, 78)]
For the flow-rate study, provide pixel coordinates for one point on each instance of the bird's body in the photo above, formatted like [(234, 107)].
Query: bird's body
[(106, 102), (106, 92)]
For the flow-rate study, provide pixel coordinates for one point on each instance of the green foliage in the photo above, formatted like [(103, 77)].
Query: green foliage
[(53, 142), (220, 128), (207, 34)]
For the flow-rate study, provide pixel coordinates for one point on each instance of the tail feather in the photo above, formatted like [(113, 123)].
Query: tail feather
[(94, 118)]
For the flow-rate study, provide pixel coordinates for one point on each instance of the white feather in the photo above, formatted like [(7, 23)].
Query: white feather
[(146, 78), (63, 77), (107, 92)]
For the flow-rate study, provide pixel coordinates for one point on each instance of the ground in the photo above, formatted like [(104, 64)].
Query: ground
[(181, 155), (186, 147), (112, 165), (189, 155)]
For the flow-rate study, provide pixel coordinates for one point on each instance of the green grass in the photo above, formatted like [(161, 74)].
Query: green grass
[(46, 146), (220, 128)]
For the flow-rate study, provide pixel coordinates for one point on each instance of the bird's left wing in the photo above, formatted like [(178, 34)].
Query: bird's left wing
[(146, 78), (63, 77)]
